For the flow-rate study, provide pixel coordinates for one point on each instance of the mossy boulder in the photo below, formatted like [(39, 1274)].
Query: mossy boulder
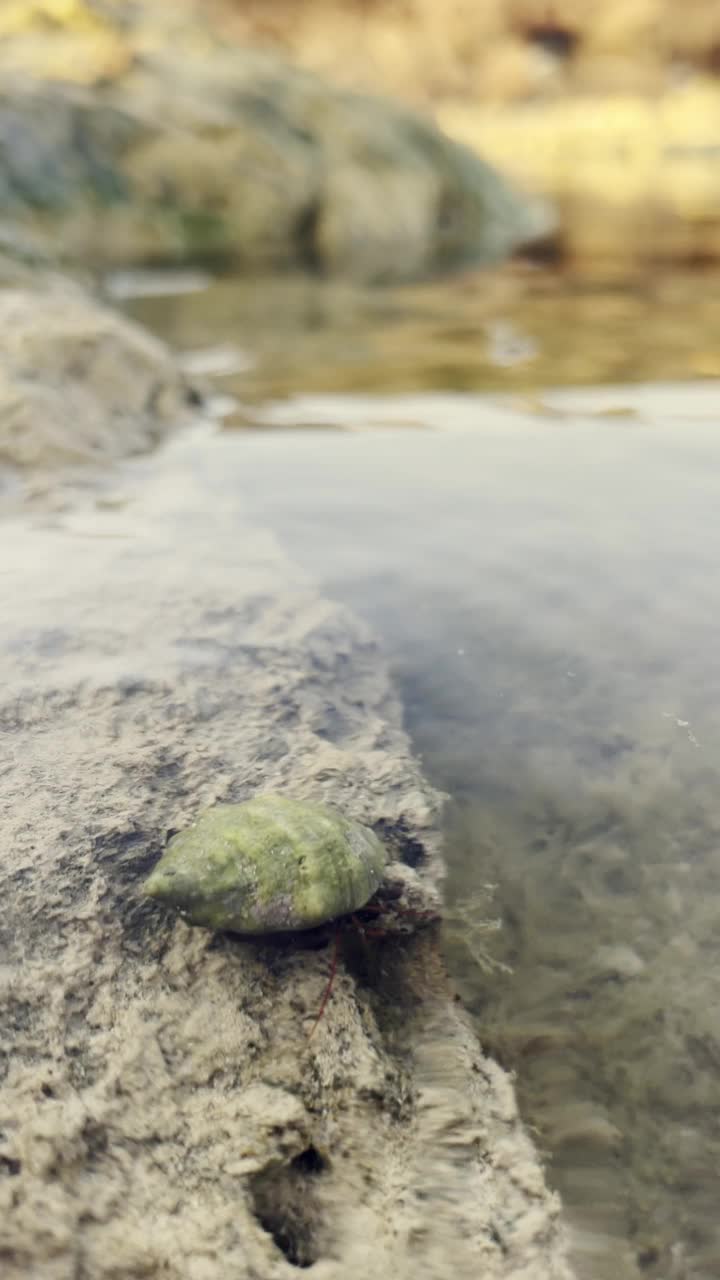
[(237, 156)]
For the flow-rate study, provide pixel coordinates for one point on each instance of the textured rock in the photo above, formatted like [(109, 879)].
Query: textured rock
[(162, 1111), (79, 383), (237, 155)]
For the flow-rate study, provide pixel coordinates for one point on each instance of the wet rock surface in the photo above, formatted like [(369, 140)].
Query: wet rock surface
[(162, 1109)]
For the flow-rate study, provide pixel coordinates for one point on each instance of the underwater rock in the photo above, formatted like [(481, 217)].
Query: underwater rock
[(271, 865), (618, 962)]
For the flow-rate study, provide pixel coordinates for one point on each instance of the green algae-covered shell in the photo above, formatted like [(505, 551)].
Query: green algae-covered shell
[(271, 865)]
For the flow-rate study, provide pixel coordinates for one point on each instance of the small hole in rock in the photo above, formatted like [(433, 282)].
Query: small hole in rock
[(309, 1161), (286, 1206), (10, 1166)]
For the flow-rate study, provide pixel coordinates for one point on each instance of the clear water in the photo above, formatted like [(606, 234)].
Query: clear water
[(543, 572)]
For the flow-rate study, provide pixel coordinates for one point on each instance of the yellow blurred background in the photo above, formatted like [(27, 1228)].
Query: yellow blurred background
[(612, 109)]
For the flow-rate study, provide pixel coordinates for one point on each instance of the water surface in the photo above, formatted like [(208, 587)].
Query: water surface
[(516, 329), (542, 570)]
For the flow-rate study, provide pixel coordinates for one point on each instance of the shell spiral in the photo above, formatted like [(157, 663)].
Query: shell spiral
[(271, 865)]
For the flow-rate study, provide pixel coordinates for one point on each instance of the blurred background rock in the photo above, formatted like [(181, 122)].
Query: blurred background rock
[(139, 133), (610, 110)]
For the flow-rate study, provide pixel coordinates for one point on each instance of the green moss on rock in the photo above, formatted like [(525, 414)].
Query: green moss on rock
[(271, 865)]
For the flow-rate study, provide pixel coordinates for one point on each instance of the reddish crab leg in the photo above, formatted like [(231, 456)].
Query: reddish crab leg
[(330, 982), (367, 931)]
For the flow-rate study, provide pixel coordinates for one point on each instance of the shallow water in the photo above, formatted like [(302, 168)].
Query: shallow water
[(515, 329), (543, 574)]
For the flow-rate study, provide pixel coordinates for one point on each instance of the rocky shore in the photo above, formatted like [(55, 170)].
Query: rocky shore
[(162, 1109)]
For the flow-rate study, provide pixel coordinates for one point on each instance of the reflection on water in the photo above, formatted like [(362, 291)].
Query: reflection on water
[(515, 329), (545, 584)]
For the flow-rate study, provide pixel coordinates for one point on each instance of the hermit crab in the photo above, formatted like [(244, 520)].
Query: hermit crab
[(271, 865), (275, 865)]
